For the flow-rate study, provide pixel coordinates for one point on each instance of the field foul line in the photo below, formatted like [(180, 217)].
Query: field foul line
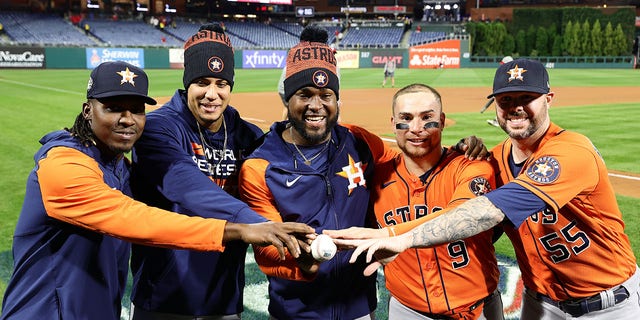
[(621, 176), (40, 87), (624, 177)]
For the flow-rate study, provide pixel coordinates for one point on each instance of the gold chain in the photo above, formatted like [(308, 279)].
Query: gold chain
[(307, 161)]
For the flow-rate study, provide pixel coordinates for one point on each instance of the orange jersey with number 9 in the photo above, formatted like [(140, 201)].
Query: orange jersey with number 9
[(582, 227), (447, 278)]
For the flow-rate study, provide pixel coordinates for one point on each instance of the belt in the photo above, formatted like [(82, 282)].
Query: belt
[(457, 310), (579, 307)]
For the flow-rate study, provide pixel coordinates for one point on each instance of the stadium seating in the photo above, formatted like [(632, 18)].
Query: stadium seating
[(131, 34), (260, 35), (417, 38), (42, 29), (372, 37)]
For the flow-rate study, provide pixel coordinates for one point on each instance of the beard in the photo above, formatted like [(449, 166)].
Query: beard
[(313, 138), (522, 133)]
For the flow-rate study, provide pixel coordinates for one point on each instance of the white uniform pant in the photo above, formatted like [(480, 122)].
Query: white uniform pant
[(492, 310), (536, 309)]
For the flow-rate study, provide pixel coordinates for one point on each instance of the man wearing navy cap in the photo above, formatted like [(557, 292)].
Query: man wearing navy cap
[(556, 204), (70, 260)]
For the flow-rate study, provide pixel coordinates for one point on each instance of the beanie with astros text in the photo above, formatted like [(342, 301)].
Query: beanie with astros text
[(208, 53), (310, 64)]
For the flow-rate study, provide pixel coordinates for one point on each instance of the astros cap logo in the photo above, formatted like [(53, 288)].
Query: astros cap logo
[(127, 76), (215, 64), (516, 73), (110, 79), (320, 79)]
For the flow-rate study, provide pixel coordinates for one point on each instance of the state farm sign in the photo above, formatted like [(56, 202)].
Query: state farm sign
[(442, 54)]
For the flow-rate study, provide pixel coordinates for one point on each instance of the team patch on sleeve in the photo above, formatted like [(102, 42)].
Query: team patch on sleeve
[(544, 170), (479, 186)]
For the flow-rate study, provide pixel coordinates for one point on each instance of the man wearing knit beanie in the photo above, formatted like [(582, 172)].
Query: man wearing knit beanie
[(311, 33), (189, 153), (312, 170), (208, 53)]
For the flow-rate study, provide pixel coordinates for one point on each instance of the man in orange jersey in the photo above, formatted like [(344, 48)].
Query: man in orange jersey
[(456, 280), (556, 204), (70, 255)]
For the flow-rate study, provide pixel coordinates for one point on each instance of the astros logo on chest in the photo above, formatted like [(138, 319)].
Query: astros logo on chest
[(354, 172)]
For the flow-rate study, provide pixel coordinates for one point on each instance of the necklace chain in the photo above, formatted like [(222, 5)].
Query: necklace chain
[(307, 161), (224, 144)]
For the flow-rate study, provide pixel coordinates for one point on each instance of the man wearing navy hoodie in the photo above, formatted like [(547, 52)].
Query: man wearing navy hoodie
[(187, 161)]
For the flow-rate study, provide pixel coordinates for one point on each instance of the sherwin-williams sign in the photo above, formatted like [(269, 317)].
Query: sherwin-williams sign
[(442, 54), (21, 57), (264, 59), (96, 56)]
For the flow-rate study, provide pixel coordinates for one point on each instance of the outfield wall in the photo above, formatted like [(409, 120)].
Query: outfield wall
[(452, 53)]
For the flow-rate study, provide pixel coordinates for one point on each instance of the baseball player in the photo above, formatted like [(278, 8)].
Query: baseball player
[(312, 170), (557, 206), (70, 255), (188, 156), (389, 72), (456, 280)]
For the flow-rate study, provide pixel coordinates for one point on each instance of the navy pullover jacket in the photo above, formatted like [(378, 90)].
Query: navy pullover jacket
[(175, 169)]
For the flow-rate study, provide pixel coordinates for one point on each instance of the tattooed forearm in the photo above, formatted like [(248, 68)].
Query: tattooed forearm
[(468, 219)]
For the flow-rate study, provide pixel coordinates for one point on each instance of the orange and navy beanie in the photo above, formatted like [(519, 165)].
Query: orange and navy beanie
[(208, 53), (310, 64)]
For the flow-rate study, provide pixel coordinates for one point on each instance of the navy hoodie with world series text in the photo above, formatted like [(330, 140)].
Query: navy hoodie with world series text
[(181, 167)]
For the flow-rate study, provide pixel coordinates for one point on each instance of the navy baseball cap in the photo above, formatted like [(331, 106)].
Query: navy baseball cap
[(118, 78), (521, 75)]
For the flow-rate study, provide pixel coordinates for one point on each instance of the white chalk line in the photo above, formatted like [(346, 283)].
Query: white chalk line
[(42, 87)]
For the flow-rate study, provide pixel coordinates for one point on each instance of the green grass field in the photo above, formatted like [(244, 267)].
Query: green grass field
[(34, 102)]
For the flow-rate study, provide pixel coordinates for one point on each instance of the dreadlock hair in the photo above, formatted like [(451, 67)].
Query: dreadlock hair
[(82, 130)]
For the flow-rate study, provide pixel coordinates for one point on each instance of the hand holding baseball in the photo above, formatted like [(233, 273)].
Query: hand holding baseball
[(323, 248)]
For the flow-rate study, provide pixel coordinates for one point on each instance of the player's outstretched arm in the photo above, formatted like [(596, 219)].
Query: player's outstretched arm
[(468, 219), (357, 233), (270, 233)]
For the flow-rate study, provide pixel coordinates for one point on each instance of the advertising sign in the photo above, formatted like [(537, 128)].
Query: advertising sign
[(176, 58), (96, 56), (442, 54), (264, 59), (21, 57), (347, 59), (376, 58)]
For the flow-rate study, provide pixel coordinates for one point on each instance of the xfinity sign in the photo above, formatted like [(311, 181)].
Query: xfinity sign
[(263, 59)]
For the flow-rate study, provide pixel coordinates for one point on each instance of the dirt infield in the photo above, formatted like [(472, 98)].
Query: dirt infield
[(370, 109)]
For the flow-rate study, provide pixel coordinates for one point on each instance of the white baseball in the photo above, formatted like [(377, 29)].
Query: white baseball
[(323, 248)]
